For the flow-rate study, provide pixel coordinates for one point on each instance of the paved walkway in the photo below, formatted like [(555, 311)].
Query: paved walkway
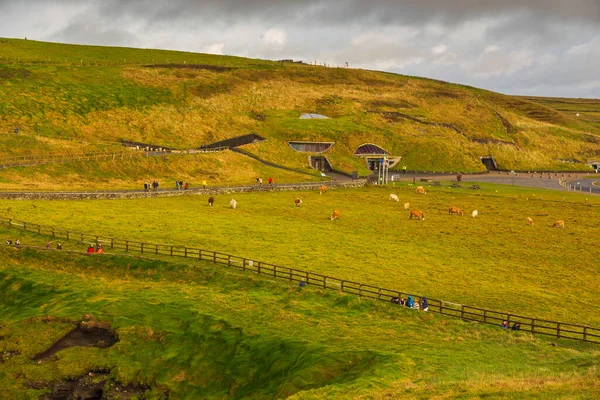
[(579, 181)]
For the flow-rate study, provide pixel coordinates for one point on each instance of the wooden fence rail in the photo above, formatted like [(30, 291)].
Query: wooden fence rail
[(468, 313), (21, 161)]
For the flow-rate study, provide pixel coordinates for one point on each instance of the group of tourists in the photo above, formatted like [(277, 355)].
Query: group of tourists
[(259, 181), (9, 242), (95, 250), (179, 185), (516, 326), (422, 304), (151, 186)]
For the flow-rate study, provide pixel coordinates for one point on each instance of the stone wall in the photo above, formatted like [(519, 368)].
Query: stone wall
[(170, 193)]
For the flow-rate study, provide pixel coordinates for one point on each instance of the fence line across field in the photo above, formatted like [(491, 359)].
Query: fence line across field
[(468, 313)]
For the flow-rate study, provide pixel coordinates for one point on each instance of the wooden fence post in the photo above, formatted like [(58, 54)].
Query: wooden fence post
[(243, 264), (127, 245), (342, 285), (532, 325), (67, 235), (142, 248), (258, 268), (112, 243), (156, 249), (185, 252), (558, 330), (585, 333), (171, 251), (379, 294), (484, 316), (275, 271), (462, 311), (52, 231)]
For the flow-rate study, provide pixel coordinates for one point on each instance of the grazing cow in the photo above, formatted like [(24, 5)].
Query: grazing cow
[(420, 190), (417, 214), (393, 197), (233, 204), (559, 224), (211, 201), (529, 221), (455, 210), (474, 213), (335, 215), (298, 202), (406, 206), (323, 189)]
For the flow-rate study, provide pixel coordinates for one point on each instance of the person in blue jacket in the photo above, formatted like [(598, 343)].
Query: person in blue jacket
[(410, 303)]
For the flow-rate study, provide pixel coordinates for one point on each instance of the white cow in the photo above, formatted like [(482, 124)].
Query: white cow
[(406, 206), (474, 214), (393, 197), (233, 204)]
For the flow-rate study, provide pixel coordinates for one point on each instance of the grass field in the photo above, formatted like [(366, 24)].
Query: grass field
[(195, 330), (494, 261)]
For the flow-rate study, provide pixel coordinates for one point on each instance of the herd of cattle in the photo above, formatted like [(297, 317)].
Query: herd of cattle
[(414, 213)]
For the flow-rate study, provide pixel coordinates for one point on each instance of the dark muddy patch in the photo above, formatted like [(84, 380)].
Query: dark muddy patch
[(95, 335), (207, 67), (94, 386)]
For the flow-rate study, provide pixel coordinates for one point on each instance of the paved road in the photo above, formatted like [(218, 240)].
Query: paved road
[(580, 182)]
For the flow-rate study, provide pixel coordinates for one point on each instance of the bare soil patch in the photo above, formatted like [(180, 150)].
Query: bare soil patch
[(85, 335)]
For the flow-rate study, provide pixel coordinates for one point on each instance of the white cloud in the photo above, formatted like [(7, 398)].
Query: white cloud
[(439, 49), (215, 48), (274, 36)]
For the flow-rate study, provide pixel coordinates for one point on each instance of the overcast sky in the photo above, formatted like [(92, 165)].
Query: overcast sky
[(530, 47)]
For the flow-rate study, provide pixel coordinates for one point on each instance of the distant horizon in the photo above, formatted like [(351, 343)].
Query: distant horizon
[(543, 48), (298, 60)]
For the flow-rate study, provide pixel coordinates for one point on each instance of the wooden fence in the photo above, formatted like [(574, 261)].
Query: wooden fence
[(528, 324)]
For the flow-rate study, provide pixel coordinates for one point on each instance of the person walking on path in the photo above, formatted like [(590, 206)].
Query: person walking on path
[(270, 181), (204, 183), (404, 169)]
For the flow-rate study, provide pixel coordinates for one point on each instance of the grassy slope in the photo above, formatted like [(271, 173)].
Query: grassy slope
[(88, 95), (209, 332), (495, 261), (226, 168)]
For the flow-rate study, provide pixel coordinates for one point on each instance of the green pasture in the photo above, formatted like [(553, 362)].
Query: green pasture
[(194, 330), (494, 261)]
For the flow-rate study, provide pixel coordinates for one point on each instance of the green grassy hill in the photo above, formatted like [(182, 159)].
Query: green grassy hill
[(68, 97), (198, 331)]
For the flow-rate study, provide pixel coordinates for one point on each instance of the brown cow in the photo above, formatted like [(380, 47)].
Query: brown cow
[(420, 190), (335, 215), (529, 221), (323, 189), (298, 202), (559, 224), (455, 210), (417, 214), (211, 201)]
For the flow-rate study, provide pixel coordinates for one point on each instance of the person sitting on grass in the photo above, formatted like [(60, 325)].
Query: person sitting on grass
[(504, 325), (48, 245), (395, 300), (424, 304), (58, 246), (99, 249), (302, 283), (17, 242), (516, 326), (9, 241), (410, 303), (90, 249)]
